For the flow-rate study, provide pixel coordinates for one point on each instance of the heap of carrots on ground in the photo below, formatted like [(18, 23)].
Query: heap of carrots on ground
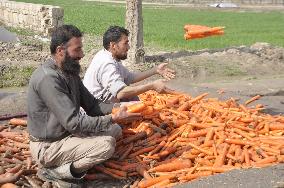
[(182, 138), (15, 161), (179, 139), (200, 31)]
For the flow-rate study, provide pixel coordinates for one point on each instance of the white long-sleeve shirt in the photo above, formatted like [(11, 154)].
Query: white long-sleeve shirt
[(105, 77)]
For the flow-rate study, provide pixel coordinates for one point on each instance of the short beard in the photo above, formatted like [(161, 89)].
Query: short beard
[(122, 57), (70, 65)]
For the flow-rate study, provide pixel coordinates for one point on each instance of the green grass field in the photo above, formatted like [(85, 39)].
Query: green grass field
[(163, 27)]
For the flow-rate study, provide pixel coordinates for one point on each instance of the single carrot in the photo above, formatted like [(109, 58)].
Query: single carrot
[(215, 169), (209, 135), (16, 121), (137, 107), (126, 153), (238, 141), (252, 99), (276, 126), (176, 165), (200, 149), (220, 160), (150, 182), (143, 150), (185, 106), (158, 148), (113, 165), (267, 160), (166, 152), (135, 137), (162, 183), (112, 172), (142, 170), (195, 175), (247, 157)]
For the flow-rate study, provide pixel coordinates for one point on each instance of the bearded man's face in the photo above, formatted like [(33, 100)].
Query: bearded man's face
[(73, 53), (71, 65)]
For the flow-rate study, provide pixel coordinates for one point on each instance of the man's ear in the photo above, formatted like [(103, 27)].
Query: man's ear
[(112, 45), (60, 50)]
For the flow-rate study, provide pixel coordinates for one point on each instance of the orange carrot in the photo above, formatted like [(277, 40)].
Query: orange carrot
[(135, 137), (150, 182), (238, 141), (160, 146), (137, 107), (184, 107), (209, 135), (247, 157), (168, 151), (111, 172), (276, 126), (143, 150), (200, 149), (195, 175), (176, 165), (215, 169), (142, 170), (252, 99), (16, 121), (126, 153), (267, 160), (221, 158)]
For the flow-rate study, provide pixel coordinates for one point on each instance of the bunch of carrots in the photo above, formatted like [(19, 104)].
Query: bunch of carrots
[(199, 31), (15, 160), (182, 138)]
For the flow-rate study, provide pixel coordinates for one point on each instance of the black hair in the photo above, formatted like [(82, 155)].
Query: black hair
[(62, 35), (113, 34)]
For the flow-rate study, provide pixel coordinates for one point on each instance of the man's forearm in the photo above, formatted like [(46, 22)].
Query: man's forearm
[(130, 91), (143, 75)]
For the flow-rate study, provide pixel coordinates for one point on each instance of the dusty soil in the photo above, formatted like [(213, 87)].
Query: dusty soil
[(241, 72)]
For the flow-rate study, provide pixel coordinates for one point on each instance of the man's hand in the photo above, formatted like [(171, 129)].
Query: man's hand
[(160, 86), (165, 72), (123, 116)]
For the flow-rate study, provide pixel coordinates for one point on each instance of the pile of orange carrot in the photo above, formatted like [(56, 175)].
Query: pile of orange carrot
[(15, 161), (182, 138), (199, 31)]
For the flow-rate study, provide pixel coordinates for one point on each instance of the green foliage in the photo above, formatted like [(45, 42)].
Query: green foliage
[(163, 26), (15, 75)]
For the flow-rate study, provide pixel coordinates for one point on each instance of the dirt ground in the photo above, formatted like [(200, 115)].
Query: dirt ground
[(241, 72)]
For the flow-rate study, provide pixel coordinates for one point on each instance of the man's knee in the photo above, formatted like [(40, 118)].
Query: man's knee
[(105, 148), (109, 146)]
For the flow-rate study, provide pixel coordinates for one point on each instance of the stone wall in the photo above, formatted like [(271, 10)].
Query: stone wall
[(37, 17)]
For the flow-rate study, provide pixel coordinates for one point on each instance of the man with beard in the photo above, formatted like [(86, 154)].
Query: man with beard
[(64, 143), (108, 80)]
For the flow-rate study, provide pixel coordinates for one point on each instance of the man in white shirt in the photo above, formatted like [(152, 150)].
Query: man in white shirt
[(108, 80)]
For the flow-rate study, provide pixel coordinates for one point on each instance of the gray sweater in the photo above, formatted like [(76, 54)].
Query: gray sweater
[(54, 101)]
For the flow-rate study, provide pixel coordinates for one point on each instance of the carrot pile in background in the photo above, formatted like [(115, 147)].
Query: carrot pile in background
[(199, 31), (179, 139)]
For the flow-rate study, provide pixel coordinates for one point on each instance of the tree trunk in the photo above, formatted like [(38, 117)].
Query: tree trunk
[(134, 23)]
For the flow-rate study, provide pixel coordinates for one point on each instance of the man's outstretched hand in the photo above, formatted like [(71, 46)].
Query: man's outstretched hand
[(167, 73), (161, 87)]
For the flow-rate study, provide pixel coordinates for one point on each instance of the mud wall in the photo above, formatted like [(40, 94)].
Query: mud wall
[(37, 17)]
